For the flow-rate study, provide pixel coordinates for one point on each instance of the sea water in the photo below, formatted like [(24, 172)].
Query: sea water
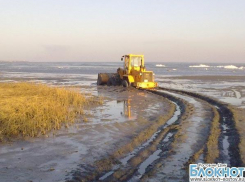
[(36, 69)]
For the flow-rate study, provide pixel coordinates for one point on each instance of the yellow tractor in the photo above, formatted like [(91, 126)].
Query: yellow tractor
[(133, 74)]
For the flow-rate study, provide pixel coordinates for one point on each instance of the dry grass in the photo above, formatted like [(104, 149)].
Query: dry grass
[(212, 143), (239, 116), (29, 109)]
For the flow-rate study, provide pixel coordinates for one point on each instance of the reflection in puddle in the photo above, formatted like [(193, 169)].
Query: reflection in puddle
[(112, 112), (120, 110), (127, 109)]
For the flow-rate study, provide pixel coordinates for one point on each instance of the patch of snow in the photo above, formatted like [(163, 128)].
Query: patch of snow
[(199, 66), (231, 67), (160, 65)]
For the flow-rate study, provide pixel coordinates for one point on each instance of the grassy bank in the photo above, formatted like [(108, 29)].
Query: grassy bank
[(28, 109), (239, 116), (213, 139)]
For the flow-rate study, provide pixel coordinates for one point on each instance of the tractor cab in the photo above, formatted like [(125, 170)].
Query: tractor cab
[(133, 63)]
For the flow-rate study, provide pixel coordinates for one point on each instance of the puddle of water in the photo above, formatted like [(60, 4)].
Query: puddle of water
[(153, 157), (225, 144), (125, 160), (112, 112), (106, 175), (52, 78), (148, 161), (145, 164), (200, 159), (225, 150), (166, 139)]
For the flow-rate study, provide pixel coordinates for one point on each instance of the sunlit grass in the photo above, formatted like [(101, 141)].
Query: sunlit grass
[(29, 109)]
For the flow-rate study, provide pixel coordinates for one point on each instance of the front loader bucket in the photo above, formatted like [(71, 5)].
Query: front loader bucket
[(103, 78)]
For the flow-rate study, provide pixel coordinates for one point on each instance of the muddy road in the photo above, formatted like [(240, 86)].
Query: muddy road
[(199, 129)]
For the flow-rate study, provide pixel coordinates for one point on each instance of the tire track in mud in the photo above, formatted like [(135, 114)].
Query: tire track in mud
[(134, 165), (142, 161), (114, 169), (191, 138), (228, 141), (229, 138)]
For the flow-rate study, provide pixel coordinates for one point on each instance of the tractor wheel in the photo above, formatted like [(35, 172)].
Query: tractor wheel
[(125, 83), (118, 81), (111, 82)]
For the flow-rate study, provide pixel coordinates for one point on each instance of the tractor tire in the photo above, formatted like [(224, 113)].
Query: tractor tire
[(111, 82), (118, 81), (125, 83)]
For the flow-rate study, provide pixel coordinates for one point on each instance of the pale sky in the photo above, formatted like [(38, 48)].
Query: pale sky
[(104, 30)]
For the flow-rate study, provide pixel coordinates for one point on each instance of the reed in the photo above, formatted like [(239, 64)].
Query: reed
[(29, 109)]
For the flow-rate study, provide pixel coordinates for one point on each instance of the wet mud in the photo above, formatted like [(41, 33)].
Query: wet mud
[(203, 131), (125, 120), (136, 135)]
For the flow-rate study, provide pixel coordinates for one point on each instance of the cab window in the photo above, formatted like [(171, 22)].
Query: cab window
[(135, 61)]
